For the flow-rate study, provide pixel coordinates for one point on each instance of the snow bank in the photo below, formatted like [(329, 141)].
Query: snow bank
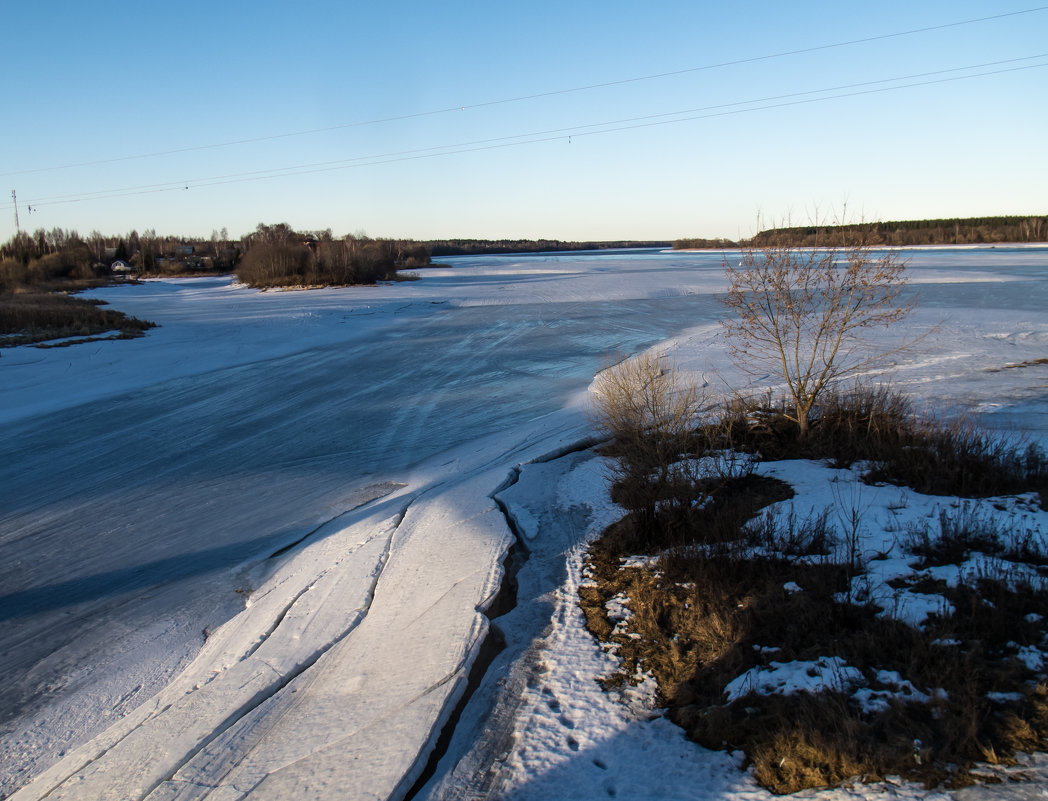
[(337, 673)]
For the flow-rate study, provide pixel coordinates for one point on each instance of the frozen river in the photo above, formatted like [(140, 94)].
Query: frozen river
[(154, 488)]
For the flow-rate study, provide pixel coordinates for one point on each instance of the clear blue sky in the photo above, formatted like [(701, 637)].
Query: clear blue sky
[(110, 81)]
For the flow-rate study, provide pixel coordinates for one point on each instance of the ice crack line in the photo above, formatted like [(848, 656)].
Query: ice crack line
[(276, 623), (372, 492), (280, 680), (476, 777), (501, 603), (301, 667)]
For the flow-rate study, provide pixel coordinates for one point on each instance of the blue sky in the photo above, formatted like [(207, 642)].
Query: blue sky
[(99, 84)]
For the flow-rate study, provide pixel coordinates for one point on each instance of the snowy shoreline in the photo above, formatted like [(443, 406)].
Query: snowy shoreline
[(352, 648)]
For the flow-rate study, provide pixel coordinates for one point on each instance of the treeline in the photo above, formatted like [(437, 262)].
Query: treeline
[(966, 231), (704, 244), (22, 268), (481, 247), (37, 273), (271, 255), (147, 253), (278, 256)]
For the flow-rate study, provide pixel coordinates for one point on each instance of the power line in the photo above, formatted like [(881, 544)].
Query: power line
[(275, 171), (536, 137), (535, 96)]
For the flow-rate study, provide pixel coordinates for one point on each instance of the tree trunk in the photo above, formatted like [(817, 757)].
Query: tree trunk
[(802, 422)]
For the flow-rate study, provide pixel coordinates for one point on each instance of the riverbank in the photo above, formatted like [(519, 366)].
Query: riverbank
[(190, 520)]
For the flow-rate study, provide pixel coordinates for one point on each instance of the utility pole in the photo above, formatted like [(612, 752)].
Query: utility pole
[(14, 199)]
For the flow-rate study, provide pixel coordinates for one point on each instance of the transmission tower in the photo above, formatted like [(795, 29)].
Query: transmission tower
[(14, 200)]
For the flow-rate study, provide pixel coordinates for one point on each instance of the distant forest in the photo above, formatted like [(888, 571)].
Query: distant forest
[(271, 255), (969, 231), (477, 247), (277, 255)]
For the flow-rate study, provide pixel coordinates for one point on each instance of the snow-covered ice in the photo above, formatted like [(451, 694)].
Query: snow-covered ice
[(250, 554)]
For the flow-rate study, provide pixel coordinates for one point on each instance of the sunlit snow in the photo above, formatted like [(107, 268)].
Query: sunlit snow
[(250, 554)]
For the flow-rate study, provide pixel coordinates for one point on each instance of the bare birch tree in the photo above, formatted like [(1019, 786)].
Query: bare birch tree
[(805, 314)]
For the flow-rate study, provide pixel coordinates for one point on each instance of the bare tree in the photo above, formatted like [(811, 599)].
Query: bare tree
[(805, 314)]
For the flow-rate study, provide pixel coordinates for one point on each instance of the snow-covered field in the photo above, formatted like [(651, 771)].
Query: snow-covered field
[(250, 553)]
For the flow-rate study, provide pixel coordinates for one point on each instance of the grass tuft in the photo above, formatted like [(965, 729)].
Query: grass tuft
[(876, 425), (965, 532)]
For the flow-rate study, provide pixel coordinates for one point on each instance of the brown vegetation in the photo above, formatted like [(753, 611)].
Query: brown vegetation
[(650, 414), (714, 599), (35, 304), (878, 426), (32, 317), (277, 256)]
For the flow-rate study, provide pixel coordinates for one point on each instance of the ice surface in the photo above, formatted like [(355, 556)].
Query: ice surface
[(250, 553)]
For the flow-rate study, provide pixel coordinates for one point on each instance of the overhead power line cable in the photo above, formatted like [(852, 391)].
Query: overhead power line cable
[(536, 137), (534, 96)]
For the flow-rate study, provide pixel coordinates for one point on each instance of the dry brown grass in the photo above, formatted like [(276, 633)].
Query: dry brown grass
[(650, 413), (960, 533), (32, 317), (698, 622), (958, 458), (877, 425), (714, 599)]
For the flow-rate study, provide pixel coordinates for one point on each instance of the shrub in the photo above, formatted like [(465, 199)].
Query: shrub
[(957, 458), (877, 425), (650, 412), (700, 618)]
